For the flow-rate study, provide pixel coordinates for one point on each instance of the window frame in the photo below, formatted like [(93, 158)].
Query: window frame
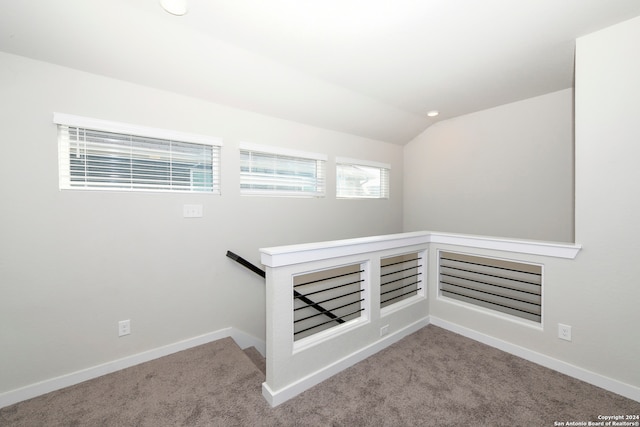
[(279, 153), (133, 131), (384, 169)]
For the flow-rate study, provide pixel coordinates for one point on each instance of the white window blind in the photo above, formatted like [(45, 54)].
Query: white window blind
[(279, 172), (361, 179), (100, 155)]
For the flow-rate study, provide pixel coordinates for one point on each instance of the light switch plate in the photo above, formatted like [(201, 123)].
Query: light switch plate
[(124, 327), (192, 211)]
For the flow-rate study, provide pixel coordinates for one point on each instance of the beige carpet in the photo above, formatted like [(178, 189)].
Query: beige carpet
[(431, 378)]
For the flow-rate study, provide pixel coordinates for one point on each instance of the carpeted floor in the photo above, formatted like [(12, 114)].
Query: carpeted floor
[(430, 378)]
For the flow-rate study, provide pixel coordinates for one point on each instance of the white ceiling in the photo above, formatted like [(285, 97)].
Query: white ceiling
[(368, 67)]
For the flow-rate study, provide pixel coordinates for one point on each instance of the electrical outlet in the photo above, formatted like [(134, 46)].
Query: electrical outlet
[(564, 332), (384, 330), (124, 327)]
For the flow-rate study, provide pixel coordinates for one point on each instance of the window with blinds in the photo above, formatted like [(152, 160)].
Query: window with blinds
[(100, 155), (358, 179), (279, 172)]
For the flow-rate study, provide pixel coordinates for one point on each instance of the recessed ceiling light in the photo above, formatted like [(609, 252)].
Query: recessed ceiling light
[(174, 7), (433, 113)]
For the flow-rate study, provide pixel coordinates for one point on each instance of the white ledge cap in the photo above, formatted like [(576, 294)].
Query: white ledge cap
[(295, 254), (530, 247)]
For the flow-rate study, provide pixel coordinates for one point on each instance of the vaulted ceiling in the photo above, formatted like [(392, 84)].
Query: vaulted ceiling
[(373, 68)]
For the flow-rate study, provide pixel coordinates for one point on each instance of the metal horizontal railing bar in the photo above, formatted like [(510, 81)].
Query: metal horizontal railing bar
[(489, 293), (332, 288), (493, 284), (328, 278), (331, 299), (402, 278), (316, 306), (400, 271), (335, 308), (494, 275), (400, 296), (401, 287), (328, 321), (489, 265), (494, 303), (399, 262)]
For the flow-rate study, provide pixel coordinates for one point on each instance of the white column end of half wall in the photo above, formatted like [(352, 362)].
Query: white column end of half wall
[(275, 398)]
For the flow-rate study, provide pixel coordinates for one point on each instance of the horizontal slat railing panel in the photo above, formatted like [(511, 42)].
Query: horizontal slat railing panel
[(514, 294), (493, 262), (506, 286), (491, 280), (494, 299), (336, 291), (400, 278), (495, 307), (523, 276)]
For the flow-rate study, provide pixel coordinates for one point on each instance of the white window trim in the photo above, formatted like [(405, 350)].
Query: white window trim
[(286, 152), (366, 163), (268, 149), (129, 129), (80, 122), (370, 163)]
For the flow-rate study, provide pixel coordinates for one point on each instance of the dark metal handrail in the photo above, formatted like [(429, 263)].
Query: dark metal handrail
[(260, 272), (237, 258)]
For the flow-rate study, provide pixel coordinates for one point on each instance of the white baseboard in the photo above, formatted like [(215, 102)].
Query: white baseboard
[(243, 340), (615, 386), (275, 398)]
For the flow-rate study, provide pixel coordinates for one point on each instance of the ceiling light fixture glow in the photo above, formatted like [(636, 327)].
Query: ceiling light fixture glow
[(174, 7), (433, 113)]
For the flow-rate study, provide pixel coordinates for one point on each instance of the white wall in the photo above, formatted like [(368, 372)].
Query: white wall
[(597, 294), (601, 292), (74, 263), (506, 171)]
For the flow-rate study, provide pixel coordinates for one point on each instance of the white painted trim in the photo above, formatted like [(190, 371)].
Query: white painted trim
[(294, 254), (130, 129), (243, 340), (269, 149), (530, 247), (275, 398), (306, 252), (370, 163), (328, 334), (598, 380)]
